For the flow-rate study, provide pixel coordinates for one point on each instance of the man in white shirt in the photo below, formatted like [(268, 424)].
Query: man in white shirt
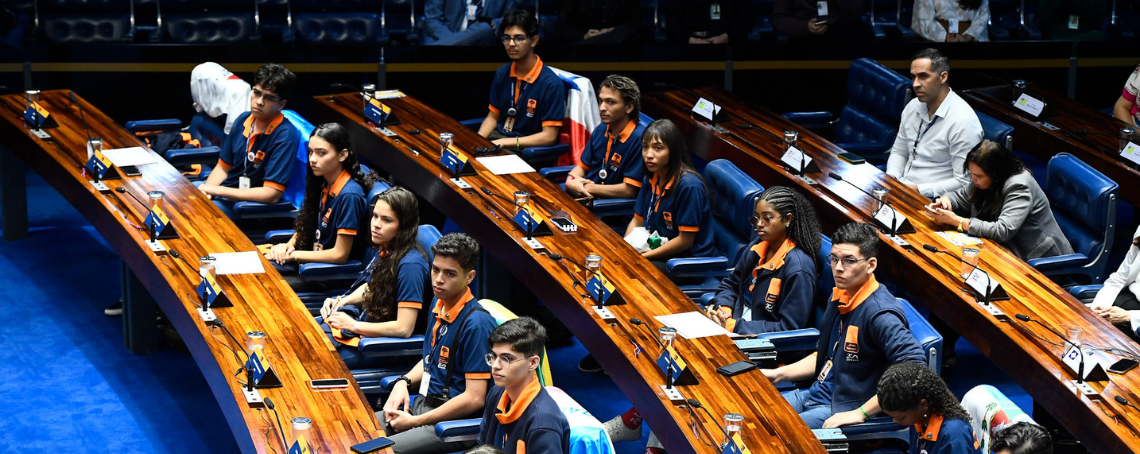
[(937, 129)]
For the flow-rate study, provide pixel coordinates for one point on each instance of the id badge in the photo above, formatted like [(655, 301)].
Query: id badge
[(714, 11), (317, 241), (243, 182), (509, 124), (953, 26), (1074, 22), (425, 381), (471, 12), (826, 369), (821, 9)]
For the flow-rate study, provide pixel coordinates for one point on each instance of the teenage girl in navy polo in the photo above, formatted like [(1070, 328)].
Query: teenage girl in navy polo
[(773, 285), (914, 396), (391, 303), (673, 200), (333, 212)]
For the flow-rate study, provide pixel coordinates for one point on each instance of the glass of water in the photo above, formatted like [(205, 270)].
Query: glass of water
[(732, 425)]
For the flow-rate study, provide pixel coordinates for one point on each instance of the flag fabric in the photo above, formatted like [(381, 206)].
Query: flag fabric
[(581, 115)]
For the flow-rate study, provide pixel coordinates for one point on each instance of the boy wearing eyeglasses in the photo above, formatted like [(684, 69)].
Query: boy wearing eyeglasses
[(864, 331), (452, 377), (520, 416), (528, 101)]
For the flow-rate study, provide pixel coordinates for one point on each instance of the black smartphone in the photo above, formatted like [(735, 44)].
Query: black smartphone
[(330, 383), (852, 158), (372, 445), (130, 171), (1122, 366), (735, 368)]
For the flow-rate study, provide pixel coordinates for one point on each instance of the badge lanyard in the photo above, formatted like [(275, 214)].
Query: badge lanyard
[(324, 198), (609, 145), (511, 112), (656, 202), (831, 357), (917, 140)]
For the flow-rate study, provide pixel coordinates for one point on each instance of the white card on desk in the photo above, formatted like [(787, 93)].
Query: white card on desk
[(133, 156), (890, 217), (1029, 104), (981, 282), (692, 325), (506, 164), (795, 159), (1131, 152), (704, 108), (238, 263)]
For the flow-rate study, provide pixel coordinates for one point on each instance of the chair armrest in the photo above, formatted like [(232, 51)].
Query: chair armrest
[(556, 174), (185, 156), (264, 210), (998, 33), (878, 425), (1085, 291), (163, 125), (387, 382), (473, 123), (811, 120), (1059, 262), (544, 154), (706, 299), (330, 270), (698, 266), (613, 207), (278, 236), (794, 340), (459, 428), (391, 346)]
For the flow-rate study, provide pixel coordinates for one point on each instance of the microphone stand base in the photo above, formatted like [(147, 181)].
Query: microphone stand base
[(207, 315), (1084, 388), (252, 397), (156, 246), (462, 184), (100, 186), (674, 395), (605, 314), (41, 134), (533, 243), (898, 240), (993, 310), (386, 131), (719, 129), (806, 179)]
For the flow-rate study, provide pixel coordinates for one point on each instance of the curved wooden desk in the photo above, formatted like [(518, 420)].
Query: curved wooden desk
[(296, 348), (1028, 353), (770, 424)]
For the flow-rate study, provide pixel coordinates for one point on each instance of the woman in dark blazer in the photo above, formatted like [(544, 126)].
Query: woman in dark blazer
[(1004, 204)]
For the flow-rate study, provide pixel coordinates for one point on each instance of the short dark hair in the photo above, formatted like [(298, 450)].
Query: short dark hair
[(938, 61), (630, 93), (525, 335), (1023, 438), (276, 78), (862, 235), (520, 18), (484, 449), (460, 247)]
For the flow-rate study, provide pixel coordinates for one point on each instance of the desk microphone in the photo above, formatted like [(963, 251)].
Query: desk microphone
[(249, 389), (280, 429), (176, 255), (150, 225), (1122, 401), (712, 123), (894, 218), (529, 225), (652, 335), (1081, 366), (350, 87), (935, 250), (559, 258), (696, 403), (83, 116)]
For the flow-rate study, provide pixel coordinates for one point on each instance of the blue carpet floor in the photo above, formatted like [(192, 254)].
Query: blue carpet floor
[(69, 382)]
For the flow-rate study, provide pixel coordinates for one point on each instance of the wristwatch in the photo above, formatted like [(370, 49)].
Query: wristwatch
[(405, 379)]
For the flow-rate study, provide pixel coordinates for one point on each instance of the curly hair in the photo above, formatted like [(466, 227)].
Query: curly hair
[(630, 93), (380, 296), (306, 223), (276, 78), (805, 230), (460, 247), (904, 385)]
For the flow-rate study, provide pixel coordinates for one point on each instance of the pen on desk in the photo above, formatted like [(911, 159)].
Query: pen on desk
[(492, 210)]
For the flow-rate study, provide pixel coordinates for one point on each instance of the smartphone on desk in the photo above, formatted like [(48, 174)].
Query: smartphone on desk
[(1122, 366), (852, 158), (372, 445), (130, 171), (736, 368), (330, 383)]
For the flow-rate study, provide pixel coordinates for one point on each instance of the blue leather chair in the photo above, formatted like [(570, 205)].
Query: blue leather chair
[(209, 21), (84, 22), (1015, 19), (206, 130), (1084, 203), (295, 191), (996, 131), (869, 123), (399, 19), (891, 18), (340, 22)]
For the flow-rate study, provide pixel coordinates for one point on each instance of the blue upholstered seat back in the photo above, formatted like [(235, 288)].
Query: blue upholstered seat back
[(927, 337), (338, 28), (295, 191), (876, 98), (996, 131), (427, 236), (1080, 197), (85, 21), (859, 125), (733, 195)]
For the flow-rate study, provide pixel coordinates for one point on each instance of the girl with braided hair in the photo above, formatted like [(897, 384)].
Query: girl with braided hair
[(333, 212), (773, 286), (914, 395)]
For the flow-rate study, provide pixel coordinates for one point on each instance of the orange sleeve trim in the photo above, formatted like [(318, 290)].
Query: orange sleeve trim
[(274, 185), (493, 109), (585, 168), (225, 166), (409, 305), (557, 123), (479, 376), (345, 232), (730, 325), (638, 217), (632, 182), (689, 229)]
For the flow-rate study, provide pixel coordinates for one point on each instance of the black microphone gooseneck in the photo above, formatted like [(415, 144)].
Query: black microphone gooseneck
[(245, 365), (669, 371), (83, 116), (529, 223), (150, 225), (280, 429), (560, 257), (1081, 366), (894, 219), (358, 90), (696, 403), (989, 281)]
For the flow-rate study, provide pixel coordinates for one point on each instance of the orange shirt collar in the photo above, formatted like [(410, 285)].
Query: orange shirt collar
[(248, 126), (653, 184), (456, 307), (532, 75), (338, 185), (777, 260), (507, 416), (625, 132), (932, 428), (848, 302)]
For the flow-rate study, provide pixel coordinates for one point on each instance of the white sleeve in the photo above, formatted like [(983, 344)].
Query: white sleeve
[(1119, 280)]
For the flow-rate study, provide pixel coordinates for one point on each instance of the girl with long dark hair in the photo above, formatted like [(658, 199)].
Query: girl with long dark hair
[(392, 302), (916, 397)]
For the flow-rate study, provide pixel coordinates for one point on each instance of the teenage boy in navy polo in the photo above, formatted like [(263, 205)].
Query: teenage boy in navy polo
[(257, 156), (611, 162), (520, 416), (452, 377), (528, 101), (863, 332)]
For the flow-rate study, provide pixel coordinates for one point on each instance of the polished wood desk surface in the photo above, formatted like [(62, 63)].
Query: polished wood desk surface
[(1098, 147), (1027, 352), (295, 347), (413, 159)]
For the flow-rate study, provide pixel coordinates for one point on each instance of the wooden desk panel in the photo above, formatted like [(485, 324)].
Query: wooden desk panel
[(932, 279), (771, 426), (1098, 148), (296, 347)]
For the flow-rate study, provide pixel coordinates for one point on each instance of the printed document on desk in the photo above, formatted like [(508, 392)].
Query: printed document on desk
[(133, 156), (692, 325), (504, 165), (238, 263)]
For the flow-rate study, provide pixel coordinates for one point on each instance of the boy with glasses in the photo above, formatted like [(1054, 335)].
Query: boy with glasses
[(520, 416), (864, 331), (528, 101)]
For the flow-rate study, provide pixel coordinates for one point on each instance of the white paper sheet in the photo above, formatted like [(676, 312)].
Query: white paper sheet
[(133, 156), (692, 325), (503, 165), (238, 263)]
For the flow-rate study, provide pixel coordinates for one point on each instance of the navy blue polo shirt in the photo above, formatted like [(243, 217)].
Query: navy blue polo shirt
[(470, 362), (538, 98), (532, 424), (274, 150), (780, 294), (671, 208), (343, 211), (619, 154), (412, 284), (954, 436)]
